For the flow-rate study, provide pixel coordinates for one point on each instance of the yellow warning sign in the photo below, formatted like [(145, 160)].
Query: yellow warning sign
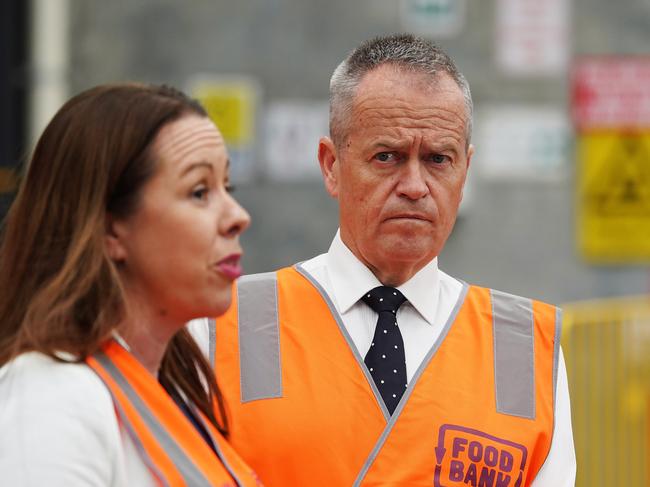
[(614, 196), (231, 104)]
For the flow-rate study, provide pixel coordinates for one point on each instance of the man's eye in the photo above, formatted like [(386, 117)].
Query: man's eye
[(385, 156), (438, 158)]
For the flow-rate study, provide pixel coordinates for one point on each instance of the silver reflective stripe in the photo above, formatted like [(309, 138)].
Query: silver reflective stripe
[(556, 349), (212, 344), (190, 473), (514, 354), (148, 461), (259, 337)]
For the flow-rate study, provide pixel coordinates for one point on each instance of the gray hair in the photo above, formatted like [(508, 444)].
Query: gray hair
[(403, 50)]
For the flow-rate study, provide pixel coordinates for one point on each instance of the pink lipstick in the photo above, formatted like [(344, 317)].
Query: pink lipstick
[(230, 266)]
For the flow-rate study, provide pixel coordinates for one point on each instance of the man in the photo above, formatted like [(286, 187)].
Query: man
[(368, 365)]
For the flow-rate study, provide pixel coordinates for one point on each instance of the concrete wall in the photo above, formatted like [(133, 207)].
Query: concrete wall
[(516, 236)]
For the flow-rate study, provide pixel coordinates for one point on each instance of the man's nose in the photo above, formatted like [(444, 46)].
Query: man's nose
[(412, 183)]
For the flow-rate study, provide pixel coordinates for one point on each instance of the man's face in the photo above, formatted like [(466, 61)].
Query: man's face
[(399, 174)]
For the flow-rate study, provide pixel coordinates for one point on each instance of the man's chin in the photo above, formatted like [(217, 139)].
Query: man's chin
[(407, 252), (405, 226)]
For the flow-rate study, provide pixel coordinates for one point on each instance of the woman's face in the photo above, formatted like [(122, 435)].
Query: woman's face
[(179, 251)]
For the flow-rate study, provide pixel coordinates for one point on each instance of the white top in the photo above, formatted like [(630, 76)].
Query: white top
[(431, 296), (58, 428)]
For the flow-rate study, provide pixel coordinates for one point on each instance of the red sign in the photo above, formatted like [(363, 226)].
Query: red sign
[(611, 93)]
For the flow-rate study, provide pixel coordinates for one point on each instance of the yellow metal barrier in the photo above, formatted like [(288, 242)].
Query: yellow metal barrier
[(607, 350)]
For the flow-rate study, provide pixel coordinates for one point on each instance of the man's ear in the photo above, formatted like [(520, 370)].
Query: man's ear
[(113, 239), (470, 153), (329, 165)]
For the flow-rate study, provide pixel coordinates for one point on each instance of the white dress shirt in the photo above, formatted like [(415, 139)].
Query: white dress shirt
[(431, 296)]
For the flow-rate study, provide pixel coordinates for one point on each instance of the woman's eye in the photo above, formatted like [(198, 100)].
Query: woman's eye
[(227, 185), (200, 193)]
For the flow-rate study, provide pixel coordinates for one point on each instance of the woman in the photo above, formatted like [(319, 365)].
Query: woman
[(123, 230)]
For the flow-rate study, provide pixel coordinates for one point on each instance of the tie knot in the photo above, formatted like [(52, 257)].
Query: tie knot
[(384, 298)]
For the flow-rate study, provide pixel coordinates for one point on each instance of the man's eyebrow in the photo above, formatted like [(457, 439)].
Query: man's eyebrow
[(441, 146), (386, 144)]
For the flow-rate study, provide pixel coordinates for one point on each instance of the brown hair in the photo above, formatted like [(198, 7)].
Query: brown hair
[(59, 291)]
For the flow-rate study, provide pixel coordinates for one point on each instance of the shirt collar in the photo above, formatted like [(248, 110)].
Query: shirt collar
[(351, 279)]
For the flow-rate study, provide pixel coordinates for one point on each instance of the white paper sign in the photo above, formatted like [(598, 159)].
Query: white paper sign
[(526, 142), (533, 36), (292, 132)]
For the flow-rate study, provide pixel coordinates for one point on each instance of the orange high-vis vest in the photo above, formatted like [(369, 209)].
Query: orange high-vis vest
[(168, 442), (304, 409)]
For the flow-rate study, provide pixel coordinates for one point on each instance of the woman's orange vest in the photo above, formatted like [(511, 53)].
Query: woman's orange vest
[(304, 410), (169, 444)]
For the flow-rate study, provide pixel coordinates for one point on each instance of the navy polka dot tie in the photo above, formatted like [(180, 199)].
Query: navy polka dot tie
[(385, 359)]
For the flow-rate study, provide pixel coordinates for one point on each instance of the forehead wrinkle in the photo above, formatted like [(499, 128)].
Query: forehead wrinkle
[(188, 138), (405, 123), (442, 123), (409, 113)]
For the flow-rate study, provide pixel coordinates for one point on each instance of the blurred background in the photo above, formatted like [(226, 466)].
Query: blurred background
[(557, 205)]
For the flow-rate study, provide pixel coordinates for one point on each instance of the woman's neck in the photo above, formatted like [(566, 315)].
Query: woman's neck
[(145, 346), (147, 332)]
